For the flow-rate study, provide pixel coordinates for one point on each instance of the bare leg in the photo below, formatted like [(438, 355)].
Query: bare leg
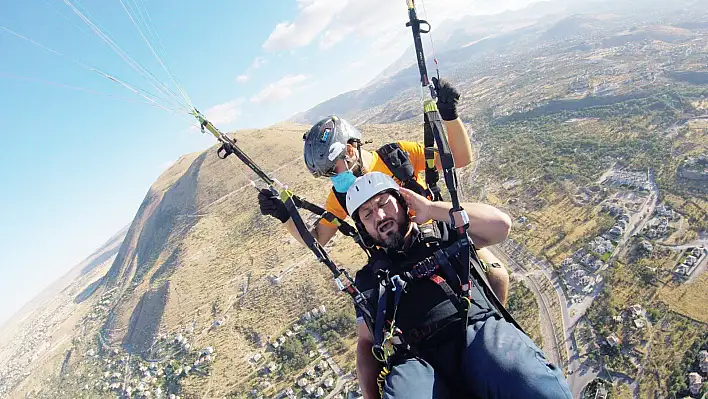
[(497, 274)]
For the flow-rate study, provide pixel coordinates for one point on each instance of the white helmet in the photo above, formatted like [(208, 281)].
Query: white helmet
[(366, 187)]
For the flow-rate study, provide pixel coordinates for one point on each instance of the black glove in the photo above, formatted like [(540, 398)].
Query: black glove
[(272, 205), (448, 97)]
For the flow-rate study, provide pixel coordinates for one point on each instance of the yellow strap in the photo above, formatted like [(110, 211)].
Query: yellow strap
[(430, 163), (429, 106), (285, 195)]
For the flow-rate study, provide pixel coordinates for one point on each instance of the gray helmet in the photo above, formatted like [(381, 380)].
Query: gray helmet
[(326, 142)]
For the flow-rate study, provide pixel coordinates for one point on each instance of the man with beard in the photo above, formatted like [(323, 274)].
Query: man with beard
[(423, 337), (333, 148)]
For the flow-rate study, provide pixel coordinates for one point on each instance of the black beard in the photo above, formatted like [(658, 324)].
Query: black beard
[(396, 240)]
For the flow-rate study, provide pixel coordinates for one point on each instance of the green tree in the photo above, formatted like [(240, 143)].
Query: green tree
[(334, 341), (308, 344), (292, 355)]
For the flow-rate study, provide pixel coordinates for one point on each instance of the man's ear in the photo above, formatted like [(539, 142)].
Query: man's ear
[(351, 151)]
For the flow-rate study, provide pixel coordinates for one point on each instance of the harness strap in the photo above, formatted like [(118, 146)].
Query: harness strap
[(399, 163), (378, 350), (432, 175)]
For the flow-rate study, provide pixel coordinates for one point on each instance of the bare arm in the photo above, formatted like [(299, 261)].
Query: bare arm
[(488, 225), (459, 140), (367, 368), (321, 232)]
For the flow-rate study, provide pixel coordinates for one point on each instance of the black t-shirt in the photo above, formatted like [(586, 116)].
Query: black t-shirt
[(425, 307)]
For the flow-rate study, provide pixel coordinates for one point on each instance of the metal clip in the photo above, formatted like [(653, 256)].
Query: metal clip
[(463, 215)]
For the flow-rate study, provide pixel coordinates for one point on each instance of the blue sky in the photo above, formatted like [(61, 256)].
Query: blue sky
[(75, 166)]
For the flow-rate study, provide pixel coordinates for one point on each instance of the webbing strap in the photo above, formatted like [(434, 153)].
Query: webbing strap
[(451, 295), (398, 162), (378, 350), (344, 227), (432, 175)]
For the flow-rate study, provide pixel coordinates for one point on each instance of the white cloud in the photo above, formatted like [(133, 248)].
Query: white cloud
[(334, 20), (280, 89), (257, 63), (225, 113), (313, 17)]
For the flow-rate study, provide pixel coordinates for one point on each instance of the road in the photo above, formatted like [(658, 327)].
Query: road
[(692, 244), (578, 374), (638, 221), (545, 315), (339, 385)]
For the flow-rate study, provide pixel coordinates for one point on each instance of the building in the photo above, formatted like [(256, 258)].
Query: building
[(695, 383), (636, 310), (329, 382), (601, 392), (682, 269), (323, 365), (703, 361), (588, 260), (616, 231), (690, 260), (613, 341), (639, 323), (646, 246)]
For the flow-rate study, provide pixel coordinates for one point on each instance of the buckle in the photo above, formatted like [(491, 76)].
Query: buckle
[(461, 214)]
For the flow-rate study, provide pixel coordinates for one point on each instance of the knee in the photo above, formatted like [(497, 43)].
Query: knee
[(413, 378), (497, 275), (501, 359)]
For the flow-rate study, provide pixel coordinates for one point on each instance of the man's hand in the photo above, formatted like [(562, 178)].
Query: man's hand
[(271, 205), (420, 206)]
